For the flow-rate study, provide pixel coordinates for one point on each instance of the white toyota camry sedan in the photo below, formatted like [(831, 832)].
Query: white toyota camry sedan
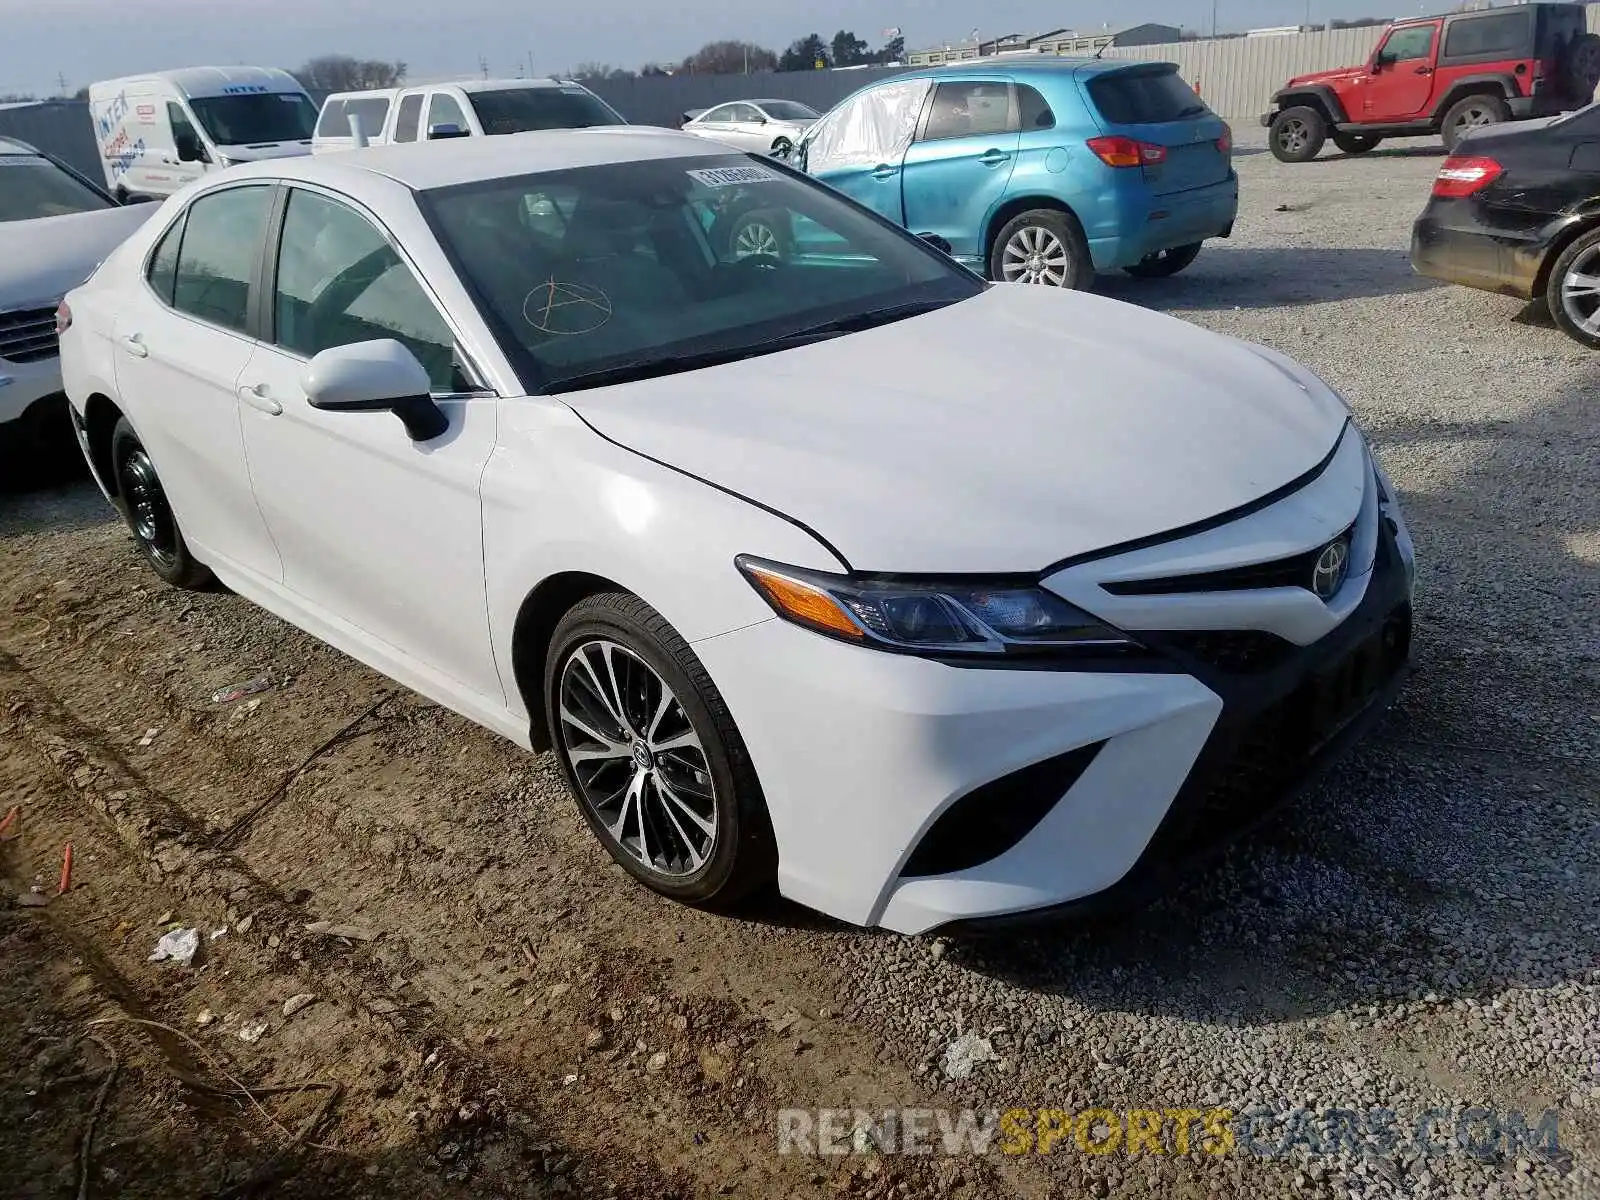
[(934, 603)]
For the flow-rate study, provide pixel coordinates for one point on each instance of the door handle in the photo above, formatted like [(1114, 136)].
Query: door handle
[(133, 343), (993, 158), (1424, 70), (257, 399), (885, 172)]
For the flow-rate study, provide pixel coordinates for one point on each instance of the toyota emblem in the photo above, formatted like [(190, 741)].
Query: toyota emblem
[(1332, 565)]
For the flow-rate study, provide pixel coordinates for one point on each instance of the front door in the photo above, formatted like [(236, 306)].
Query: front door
[(957, 170), (377, 532), (1401, 82), (859, 147), (179, 349)]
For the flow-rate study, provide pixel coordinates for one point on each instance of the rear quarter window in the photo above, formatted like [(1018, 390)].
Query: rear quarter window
[(1503, 35), (1144, 97)]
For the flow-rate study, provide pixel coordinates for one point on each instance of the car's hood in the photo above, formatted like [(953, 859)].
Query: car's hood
[(261, 151), (44, 259), (1002, 434), (1337, 75)]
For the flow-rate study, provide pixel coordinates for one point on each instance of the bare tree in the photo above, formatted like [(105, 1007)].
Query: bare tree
[(341, 73), (730, 58)]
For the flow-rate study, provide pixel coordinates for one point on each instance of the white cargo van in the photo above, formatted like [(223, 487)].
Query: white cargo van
[(159, 132), (472, 108)]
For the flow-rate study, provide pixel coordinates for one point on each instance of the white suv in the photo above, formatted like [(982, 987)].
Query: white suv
[(450, 110)]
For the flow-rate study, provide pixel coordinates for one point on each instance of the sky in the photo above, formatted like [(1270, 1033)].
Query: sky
[(88, 40)]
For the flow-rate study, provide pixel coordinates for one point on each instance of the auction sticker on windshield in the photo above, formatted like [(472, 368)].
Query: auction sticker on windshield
[(717, 177)]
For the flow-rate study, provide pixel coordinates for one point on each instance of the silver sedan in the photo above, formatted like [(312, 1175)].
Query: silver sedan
[(761, 126)]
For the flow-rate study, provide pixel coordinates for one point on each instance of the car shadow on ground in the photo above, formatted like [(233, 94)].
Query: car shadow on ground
[(62, 505), (1226, 277), (1450, 856)]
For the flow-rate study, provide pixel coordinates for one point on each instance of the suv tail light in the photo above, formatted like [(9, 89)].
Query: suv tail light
[(63, 318), (1463, 176), (1225, 142), (1125, 152)]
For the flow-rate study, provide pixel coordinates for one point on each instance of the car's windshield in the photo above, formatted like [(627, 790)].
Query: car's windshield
[(789, 110), (257, 117), (518, 110), (33, 187), (637, 265)]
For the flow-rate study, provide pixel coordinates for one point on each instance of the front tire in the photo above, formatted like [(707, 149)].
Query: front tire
[(652, 756), (1043, 246), (1469, 113), (1355, 143), (1296, 134), (782, 148), (1165, 262), (1573, 292), (143, 502)]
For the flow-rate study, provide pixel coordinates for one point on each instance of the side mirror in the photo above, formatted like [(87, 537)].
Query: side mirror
[(189, 148), (760, 120), (451, 130), (376, 376), (937, 242)]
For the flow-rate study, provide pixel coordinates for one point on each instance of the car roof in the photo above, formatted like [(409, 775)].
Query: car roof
[(1038, 65), (13, 146), (423, 166), (501, 85), (202, 82)]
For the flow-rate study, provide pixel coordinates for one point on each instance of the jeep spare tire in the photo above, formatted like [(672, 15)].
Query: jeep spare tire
[(1580, 72)]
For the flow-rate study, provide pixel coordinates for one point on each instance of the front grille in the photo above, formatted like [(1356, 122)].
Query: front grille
[(28, 335), (1237, 651), (1257, 763), (1294, 571)]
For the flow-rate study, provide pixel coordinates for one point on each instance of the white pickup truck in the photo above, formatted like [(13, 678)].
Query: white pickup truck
[(473, 108)]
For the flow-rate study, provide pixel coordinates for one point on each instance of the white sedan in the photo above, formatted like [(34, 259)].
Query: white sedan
[(759, 126), (928, 600)]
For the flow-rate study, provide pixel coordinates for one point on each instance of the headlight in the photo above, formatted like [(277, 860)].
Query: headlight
[(932, 616)]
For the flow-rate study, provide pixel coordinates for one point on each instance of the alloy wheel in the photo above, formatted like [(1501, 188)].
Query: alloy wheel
[(148, 509), (1293, 136), (1473, 118), (1036, 255), (1580, 291), (638, 761), (755, 239)]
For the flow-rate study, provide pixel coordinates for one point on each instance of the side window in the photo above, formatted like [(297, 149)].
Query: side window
[(217, 261), (184, 139), (744, 113), (340, 281), (408, 118), (1415, 41), (163, 271), (723, 112), (969, 110), (443, 110), (1033, 109), (1501, 34)]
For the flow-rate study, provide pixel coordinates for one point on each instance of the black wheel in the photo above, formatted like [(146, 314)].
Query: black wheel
[(1355, 143), (761, 235), (781, 147), (1580, 71), (1573, 292), (121, 194), (143, 502), (1472, 112), (1165, 262), (1043, 246), (1296, 134), (652, 755)]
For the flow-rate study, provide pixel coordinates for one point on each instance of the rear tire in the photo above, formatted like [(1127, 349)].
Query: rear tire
[(652, 756), (1355, 143), (1043, 246), (1469, 113), (1165, 262), (1573, 291), (1296, 134), (143, 503), (760, 234), (1580, 72)]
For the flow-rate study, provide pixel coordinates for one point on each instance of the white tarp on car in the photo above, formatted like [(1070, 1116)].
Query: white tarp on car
[(875, 127)]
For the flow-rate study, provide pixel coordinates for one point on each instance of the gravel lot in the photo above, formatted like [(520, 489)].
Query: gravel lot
[(514, 1019)]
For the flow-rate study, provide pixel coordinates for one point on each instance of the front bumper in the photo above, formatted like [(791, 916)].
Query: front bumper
[(865, 757), (23, 385)]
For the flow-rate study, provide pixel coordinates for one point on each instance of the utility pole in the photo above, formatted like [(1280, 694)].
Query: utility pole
[(61, 83), (1213, 18), (483, 65), (530, 64)]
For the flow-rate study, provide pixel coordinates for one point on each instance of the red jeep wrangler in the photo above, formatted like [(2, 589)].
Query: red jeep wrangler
[(1442, 75)]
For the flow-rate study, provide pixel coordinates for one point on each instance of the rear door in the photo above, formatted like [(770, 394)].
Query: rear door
[(956, 171), (1152, 104), (1402, 73)]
